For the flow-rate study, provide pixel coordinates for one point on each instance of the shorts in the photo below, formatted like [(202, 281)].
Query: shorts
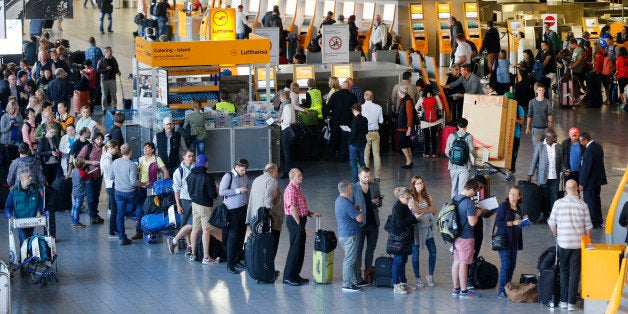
[(187, 212), (200, 217), (404, 140), (463, 250)]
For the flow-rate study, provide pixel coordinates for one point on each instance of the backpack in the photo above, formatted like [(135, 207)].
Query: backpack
[(261, 222), (449, 221), (163, 186), (459, 152), (36, 248), (537, 70), (429, 110), (608, 68)]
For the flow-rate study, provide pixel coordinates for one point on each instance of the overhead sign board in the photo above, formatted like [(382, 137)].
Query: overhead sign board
[(222, 24)]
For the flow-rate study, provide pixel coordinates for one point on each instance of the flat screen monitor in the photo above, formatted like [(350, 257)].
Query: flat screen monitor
[(307, 22), (444, 25), (417, 16), (443, 15), (366, 25), (418, 26), (590, 23)]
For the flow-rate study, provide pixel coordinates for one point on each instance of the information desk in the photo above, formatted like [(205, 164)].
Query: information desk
[(224, 145)]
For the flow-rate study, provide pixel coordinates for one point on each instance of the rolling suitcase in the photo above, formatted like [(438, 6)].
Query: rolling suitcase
[(417, 137), (259, 252), (442, 138), (323, 257), (532, 197), (594, 89), (549, 284), (568, 95), (383, 271)]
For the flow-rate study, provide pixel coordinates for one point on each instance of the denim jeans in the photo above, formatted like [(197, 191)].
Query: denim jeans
[(348, 263), (399, 269), (113, 209), (370, 235), (356, 160), (569, 274), (122, 200), (161, 23), (508, 258), (240, 35), (92, 187), (76, 208), (102, 18), (198, 147), (431, 248)]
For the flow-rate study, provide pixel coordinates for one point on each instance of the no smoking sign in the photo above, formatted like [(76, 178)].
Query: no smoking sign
[(335, 43)]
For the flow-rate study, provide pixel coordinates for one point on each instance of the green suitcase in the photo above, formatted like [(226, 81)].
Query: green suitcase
[(323, 267)]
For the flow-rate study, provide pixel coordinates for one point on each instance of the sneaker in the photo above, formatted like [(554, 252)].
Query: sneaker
[(171, 245), (455, 292), (351, 288), (192, 257), (502, 295), (398, 289), (188, 250), (469, 295), (78, 226), (563, 305), (362, 284), (206, 261), (470, 286), (571, 307), (419, 283), (405, 286), (430, 280)]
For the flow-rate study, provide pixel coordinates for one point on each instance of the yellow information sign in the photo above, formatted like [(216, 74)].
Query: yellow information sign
[(222, 24), (255, 50), (182, 29), (443, 10), (301, 73), (342, 71)]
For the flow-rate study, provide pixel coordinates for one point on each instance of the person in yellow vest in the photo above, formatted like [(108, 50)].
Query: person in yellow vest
[(224, 104), (314, 98)]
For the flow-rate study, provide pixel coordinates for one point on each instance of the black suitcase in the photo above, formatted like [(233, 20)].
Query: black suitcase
[(594, 89), (64, 187), (482, 274), (308, 146), (417, 136), (532, 197), (383, 271), (259, 252), (549, 286), (324, 240)]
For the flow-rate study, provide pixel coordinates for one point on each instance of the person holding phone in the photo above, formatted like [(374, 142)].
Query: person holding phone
[(509, 221)]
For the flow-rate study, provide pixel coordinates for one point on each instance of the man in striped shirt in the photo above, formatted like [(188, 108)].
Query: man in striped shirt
[(569, 221)]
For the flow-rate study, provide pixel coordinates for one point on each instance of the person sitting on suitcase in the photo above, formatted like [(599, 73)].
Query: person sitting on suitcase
[(569, 221), (349, 218), (24, 201), (202, 189), (547, 162)]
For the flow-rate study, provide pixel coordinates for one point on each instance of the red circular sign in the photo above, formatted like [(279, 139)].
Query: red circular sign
[(335, 43), (550, 19)]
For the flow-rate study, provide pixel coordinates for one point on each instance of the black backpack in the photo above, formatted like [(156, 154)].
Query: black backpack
[(482, 274), (388, 40), (459, 152), (261, 222)]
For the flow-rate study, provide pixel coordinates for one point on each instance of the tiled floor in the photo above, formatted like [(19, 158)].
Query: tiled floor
[(99, 276)]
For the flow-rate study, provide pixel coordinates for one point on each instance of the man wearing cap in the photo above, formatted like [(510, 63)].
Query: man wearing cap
[(234, 187), (167, 144), (572, 154), (202, 189)]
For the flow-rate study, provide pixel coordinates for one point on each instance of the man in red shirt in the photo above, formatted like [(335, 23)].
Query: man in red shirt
[(297, 212)]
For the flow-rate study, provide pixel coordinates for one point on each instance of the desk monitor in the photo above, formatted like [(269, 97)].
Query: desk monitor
[(418, 27), (287, 22), (306, 22), (365, 26)]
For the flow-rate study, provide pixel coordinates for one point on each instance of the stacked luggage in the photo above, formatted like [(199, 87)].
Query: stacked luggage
[(325, 243), (160, 214)]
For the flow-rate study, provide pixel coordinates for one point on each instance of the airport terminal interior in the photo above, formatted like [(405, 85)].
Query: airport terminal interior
[(97, 275)]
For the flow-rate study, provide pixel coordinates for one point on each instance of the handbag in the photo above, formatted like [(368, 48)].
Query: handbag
[(499, 241), (522, 292), (220, 217)]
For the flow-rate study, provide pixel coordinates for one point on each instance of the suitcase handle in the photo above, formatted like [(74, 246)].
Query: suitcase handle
[(318, 223)]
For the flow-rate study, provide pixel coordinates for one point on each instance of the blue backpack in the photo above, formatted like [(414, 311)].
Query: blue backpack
[(37, 249), (537, 71)]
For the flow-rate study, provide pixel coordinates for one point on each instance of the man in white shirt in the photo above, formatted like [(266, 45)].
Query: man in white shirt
[(523, 45), (373, 113), (547, 161), (378, 35), (240, 23), (463, 53)]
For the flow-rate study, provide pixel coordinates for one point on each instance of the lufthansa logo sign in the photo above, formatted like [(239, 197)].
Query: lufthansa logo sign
[(233, 52), (220, 18)]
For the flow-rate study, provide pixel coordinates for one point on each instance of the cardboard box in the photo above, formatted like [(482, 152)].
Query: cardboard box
[(492, 122)]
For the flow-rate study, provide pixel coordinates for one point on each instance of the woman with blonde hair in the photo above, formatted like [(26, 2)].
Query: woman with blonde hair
[(10, 124), (334, 86), (423, 205)]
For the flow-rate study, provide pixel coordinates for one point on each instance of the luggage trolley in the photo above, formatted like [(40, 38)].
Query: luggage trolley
[(41, 269)]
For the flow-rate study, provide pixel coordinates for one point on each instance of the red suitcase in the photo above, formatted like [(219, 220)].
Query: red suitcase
[(442, 137), (568, 95)]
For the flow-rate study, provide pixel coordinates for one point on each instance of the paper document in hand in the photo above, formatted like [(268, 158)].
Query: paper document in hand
[(270, 121), (345, 128), (489, 203)]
